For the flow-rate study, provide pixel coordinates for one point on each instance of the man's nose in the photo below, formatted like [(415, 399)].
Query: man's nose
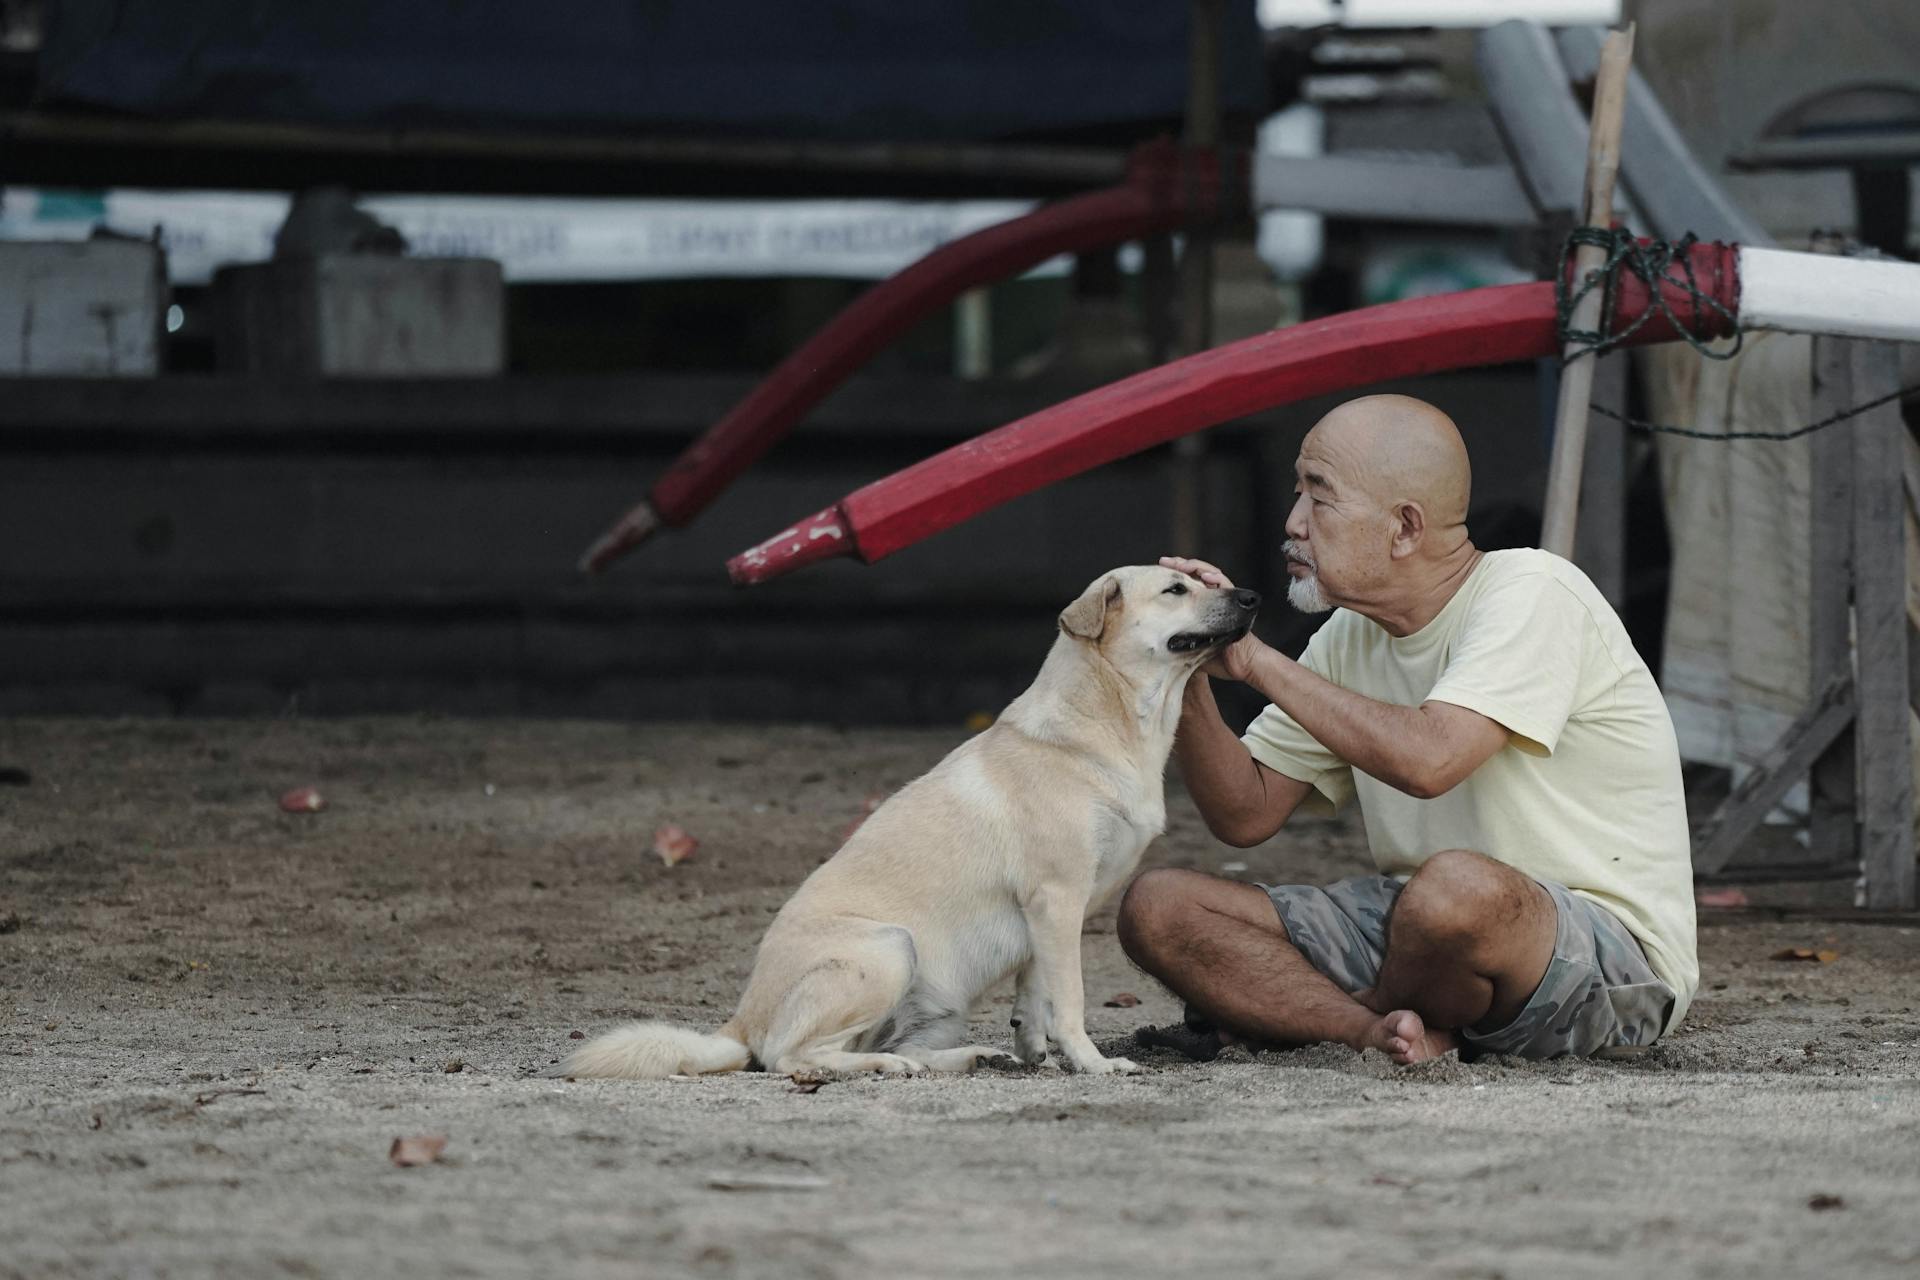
[(1297, 519), (1248, 600)]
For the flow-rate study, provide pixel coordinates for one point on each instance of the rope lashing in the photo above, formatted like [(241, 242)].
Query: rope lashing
[(1653, 262)]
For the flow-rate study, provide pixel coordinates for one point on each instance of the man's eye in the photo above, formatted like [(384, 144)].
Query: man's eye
[(1177, 589)]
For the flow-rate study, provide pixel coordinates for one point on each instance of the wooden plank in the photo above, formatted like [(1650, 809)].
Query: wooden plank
[(1526, 85), (1717, 839), (1882, 741), (1830, 821), (1600, 537)]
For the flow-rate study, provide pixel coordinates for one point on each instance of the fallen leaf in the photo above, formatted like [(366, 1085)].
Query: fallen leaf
[(1125, 1000), (1825, 1201), (806, 1086), (303, 800), (576, 1035), (423, 1149), (1721, 898), (454, 1066), (1806, 953), (766, 1182), (978, 721), (673, 844)]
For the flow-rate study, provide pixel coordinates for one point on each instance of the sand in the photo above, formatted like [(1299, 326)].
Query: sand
[(216, 1017)]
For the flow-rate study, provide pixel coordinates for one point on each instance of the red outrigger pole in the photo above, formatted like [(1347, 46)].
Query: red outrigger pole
[(1166, 189), (1338, 353)]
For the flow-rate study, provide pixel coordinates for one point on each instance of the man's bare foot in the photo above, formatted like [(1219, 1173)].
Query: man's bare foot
[(1404, 1038)]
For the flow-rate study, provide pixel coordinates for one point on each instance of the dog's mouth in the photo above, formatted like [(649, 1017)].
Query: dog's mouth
[(1194, 641)]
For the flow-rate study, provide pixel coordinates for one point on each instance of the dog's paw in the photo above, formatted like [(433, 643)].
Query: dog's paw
[(1107, 1067)]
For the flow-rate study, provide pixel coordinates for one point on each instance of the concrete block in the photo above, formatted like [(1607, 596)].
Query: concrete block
[(86, 308), (362, 315)]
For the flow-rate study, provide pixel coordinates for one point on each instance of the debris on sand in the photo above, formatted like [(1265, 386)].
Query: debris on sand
[(1125, 1000), (418, 1150), (302, 800), (1806, 953), (766, 1182), (14, 776), (1730, 897), (673, 844), (1825, 1201)]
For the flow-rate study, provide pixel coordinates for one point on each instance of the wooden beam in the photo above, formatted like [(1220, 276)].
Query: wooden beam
[(1830, 822), (1717, 839), (1393, 190), (1600, 537), (1882, 742)]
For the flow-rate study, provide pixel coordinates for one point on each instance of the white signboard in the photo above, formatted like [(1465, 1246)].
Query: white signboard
[(539, 239)]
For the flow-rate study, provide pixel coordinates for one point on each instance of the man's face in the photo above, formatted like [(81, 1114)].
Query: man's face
[(1339, 540)]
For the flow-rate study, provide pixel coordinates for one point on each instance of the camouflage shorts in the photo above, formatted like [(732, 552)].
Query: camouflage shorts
[(1598, 995)]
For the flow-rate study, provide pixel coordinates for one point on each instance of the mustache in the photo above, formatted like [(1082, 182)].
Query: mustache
[(1296, 552)]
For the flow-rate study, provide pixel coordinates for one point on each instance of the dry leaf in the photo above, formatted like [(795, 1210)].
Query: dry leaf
[(1824, 1201), (576, 1035), (979, 721), (1722, 898), (303, 800), (766, 1182), (1806, 953), (1125, 1000), (423, 1149), (673, 844)]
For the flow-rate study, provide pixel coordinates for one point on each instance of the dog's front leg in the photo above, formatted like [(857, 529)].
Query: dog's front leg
[(1054, 916), (1031, 1016)]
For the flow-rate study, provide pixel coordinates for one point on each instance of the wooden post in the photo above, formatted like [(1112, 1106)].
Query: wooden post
[(1882, 744), (1576, 378), (1830, 801), (1600, 540)]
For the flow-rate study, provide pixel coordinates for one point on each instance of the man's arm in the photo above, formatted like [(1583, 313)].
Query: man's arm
[(1242, 801), (1424, 751)]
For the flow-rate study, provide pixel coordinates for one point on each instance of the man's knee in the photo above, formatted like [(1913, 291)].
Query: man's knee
[(1454, 898), (1152, 908)]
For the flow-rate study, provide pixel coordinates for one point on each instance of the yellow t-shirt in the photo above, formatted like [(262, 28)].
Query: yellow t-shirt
[(1587, 790)]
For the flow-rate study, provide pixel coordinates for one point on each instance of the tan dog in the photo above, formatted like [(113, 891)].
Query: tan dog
[(982, 868)]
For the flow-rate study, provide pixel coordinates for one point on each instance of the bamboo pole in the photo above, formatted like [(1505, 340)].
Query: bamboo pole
[(1576, 377)]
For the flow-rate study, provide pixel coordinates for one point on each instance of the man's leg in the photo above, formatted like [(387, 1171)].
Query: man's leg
[(1468, 941), (1219, 945)]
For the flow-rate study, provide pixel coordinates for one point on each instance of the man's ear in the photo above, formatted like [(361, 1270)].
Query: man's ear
[(1086, 617), (1409, 526)]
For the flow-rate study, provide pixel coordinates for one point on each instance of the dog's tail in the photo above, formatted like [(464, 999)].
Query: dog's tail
[(653, 1051)]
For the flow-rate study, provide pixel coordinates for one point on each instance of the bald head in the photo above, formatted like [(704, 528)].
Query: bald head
[(1396, 450)]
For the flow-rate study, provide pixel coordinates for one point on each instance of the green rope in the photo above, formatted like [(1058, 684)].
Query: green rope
[(1653, 263)]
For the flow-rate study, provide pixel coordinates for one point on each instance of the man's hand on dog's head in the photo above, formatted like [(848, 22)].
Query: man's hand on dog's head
[(1235, 662)]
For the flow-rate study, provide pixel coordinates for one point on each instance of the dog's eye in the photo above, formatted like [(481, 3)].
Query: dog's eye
[(1177, 589)]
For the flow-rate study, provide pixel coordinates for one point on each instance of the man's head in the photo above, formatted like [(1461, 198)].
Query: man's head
[(1383, 483)]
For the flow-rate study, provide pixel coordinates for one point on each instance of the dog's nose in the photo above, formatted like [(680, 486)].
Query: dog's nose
[(1246, 599)]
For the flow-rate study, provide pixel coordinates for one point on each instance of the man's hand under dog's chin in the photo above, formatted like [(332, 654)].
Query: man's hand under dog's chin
[(1236, 661)]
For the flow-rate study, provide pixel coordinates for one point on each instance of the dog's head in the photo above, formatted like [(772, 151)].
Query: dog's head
[(1142, 616)]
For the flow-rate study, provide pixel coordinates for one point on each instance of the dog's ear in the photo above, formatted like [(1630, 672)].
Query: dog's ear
[(1086, 617)]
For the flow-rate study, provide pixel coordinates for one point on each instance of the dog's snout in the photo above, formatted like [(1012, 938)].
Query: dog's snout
[(1246, 599)]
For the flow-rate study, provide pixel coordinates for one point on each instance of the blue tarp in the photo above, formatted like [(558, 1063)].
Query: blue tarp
[(833, 69)]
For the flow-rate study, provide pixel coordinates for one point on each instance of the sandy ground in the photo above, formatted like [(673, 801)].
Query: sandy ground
[(216, 1017)]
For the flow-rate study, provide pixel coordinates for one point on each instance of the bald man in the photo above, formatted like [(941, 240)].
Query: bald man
[(1513, 761)]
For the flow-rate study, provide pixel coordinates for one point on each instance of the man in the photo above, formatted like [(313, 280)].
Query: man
[(1515, 767)]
